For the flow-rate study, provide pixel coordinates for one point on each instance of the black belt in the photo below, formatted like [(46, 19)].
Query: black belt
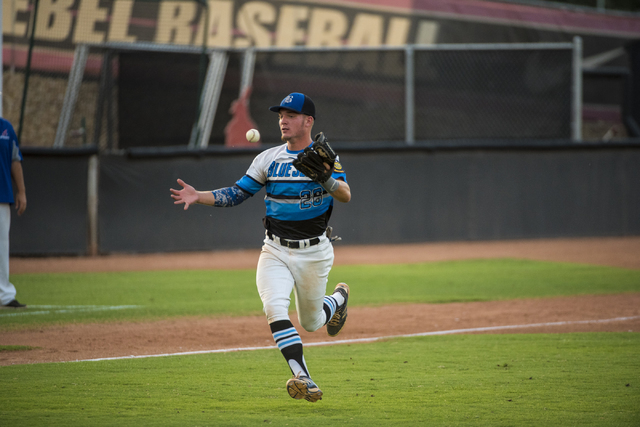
[(294, 244)]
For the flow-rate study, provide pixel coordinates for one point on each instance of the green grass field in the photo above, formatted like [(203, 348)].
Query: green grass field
[(96, 297), (489, 380)]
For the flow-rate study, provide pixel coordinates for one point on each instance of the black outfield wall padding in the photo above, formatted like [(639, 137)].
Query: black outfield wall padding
[(399, 196), (137, 213), (490, 195), (55, 221)]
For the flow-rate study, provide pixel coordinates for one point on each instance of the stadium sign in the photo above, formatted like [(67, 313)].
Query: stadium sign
[(241, 24)]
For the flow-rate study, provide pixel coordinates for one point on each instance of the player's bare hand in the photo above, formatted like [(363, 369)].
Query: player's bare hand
[(187, 196), (21, 203)]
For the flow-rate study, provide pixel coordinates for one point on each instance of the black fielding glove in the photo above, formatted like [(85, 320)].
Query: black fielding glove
[(311, 161), (311, 165)]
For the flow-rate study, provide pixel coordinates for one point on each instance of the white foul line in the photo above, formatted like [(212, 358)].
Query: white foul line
[(372, 339), (56, 309)]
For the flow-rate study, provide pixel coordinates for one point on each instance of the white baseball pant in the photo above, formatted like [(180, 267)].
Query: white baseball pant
[(305, 271), (7, 290)]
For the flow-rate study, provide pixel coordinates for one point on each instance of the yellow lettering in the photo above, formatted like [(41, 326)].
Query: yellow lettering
[(174, 21), (397, 34), (88, 14), (427, 32), (366, 30), (10, 9), (220, 23), (54, 19), (327, 27), (398, 31), (120, 16), (250, 19), (289, 32)]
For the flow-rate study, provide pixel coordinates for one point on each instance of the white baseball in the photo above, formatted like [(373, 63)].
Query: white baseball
[(253, 135)]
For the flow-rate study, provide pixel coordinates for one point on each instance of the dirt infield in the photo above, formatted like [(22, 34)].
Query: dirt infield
[(619, 252), (79, 342)]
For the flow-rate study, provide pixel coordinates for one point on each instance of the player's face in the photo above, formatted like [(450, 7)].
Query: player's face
[(292, 125)]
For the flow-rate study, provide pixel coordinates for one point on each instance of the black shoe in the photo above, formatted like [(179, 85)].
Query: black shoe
[(340, 316), (14, 304)]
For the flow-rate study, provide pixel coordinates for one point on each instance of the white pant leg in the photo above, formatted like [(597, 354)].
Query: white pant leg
[(7, 290), (275, 282), (306, 271), (310, 268)]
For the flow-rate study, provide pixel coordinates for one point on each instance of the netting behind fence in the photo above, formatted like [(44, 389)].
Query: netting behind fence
[(137, 95), (493, 94), (44, 96), (158, 97), (359, 96), (56, 28)]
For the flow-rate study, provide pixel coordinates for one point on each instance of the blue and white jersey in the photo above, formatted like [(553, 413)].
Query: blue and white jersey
[(297, 207), (9, 152)]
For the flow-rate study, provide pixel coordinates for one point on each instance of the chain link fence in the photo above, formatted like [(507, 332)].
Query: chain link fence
[(483, 92), (135, 95), (40, 41), (175, 92), (359, 95), (152, 95)]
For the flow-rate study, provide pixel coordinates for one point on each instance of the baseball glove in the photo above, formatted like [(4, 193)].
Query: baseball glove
[(324, 150), (311, 161)]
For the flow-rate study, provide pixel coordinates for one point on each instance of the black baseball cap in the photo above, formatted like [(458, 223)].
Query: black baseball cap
[(298, 102)]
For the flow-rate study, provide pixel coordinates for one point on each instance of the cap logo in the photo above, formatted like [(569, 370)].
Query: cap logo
[(296, 102)]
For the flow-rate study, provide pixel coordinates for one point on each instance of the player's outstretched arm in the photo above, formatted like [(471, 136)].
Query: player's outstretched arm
[(189, 196), (222, 197)]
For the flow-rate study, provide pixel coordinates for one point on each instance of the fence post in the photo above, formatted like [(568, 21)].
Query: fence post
[(27, 70), (409, 95), (218, 60), (576, 89), (195, 129), (71, 95), (92, 204), (248, 64)]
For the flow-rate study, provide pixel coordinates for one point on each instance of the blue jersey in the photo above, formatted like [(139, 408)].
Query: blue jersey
[(297, 207), (9, 152)]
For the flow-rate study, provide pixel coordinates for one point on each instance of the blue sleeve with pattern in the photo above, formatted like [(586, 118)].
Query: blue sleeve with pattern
[(230, 196)]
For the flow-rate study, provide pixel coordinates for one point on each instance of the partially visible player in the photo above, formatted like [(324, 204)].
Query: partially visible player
[(10, 175), (297, 254)]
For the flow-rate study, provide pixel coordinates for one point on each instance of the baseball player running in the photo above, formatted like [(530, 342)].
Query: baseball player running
[(302, 178)]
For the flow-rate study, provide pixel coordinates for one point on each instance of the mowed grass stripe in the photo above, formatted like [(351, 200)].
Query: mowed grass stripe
[(164, 294), (587, 379)]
